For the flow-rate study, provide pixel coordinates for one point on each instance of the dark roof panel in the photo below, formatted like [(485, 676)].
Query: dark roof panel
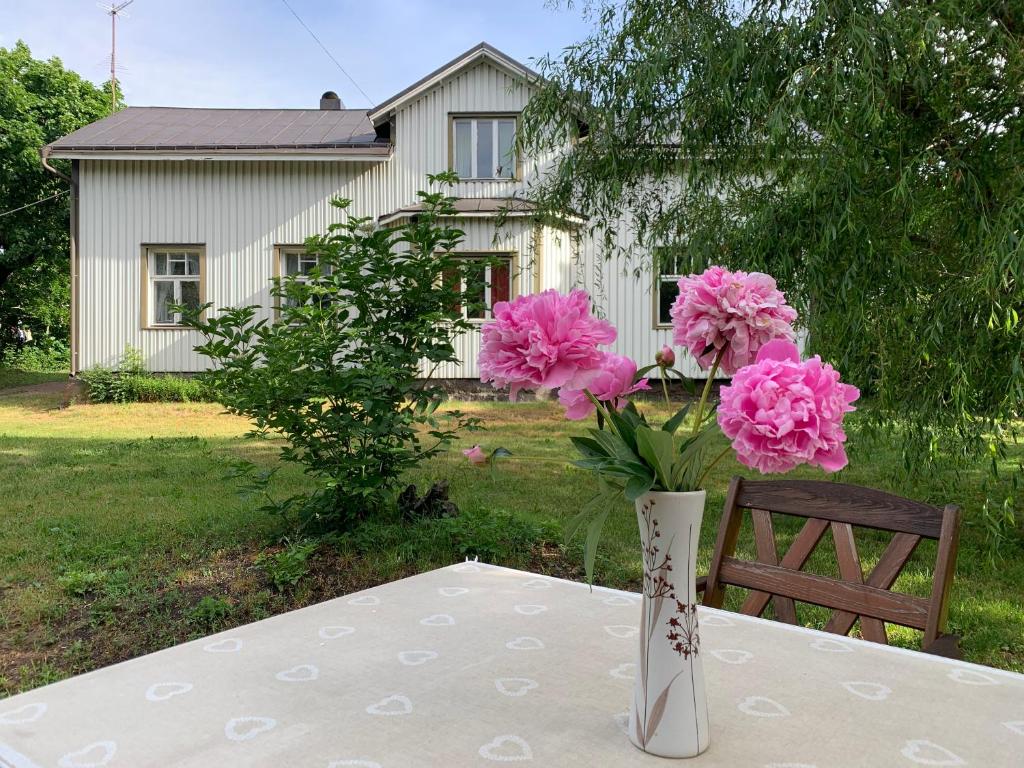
[(182, 129)]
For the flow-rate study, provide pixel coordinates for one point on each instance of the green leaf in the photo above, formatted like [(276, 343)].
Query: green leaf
[(590, 545), (657, 449), (637, 486), (678, 418)]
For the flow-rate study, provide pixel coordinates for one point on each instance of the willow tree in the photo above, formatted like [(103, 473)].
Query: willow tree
[(867, 154)]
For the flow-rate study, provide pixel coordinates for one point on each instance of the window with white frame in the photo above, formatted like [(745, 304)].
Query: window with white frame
[(175, 273), (668, 261), (484, 147), (484, 280), (297, 262)]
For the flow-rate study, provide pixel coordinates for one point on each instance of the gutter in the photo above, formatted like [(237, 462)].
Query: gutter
[(72, 180)]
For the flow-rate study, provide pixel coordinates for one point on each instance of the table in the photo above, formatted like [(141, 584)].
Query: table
[(476, 665)]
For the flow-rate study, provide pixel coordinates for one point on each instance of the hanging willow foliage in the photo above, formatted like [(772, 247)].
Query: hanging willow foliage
[(867, 154)]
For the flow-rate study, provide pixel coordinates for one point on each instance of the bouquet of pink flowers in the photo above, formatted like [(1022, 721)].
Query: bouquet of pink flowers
[(778, 411)]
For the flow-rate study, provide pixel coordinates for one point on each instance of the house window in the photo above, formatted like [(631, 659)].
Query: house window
[(484, 147), (297, 262), (175, 278), (669, 261), (484, 280)]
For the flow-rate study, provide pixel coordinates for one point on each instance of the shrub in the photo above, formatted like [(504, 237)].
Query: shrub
[(210, 611), (338, 374), (131, 383), (44, 355)]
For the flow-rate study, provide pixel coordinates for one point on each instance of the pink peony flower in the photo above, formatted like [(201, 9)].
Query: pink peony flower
[(541, 340), (475, 455), (737, 311), (666, 358), (780, 412), (611, 382)]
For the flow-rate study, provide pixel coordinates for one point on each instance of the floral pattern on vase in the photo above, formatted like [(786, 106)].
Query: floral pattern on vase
[(668, 714)]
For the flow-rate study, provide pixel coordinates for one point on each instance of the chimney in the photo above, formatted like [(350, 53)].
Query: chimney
[(331, 100)]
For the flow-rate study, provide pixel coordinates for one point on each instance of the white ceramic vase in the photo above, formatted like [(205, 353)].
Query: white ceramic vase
[(669, 713)]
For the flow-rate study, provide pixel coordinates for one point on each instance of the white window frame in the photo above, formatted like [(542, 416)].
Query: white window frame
[(172, 253), (474, 121), (660, 280), (471, 256), (281, 254)]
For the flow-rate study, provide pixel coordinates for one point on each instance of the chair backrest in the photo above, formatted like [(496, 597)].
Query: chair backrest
[(836, 507)]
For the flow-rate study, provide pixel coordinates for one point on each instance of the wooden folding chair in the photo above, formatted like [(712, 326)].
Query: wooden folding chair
[(836, 507)]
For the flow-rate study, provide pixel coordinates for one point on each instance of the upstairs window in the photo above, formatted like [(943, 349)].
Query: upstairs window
[(295, 261), (174, 278), (669, 261), (485, 280), (483, 147)]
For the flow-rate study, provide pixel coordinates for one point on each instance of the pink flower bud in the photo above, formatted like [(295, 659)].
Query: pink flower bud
[(666, 358)]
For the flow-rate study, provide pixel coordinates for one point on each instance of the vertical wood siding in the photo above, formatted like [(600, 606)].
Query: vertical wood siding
[(239, 210)]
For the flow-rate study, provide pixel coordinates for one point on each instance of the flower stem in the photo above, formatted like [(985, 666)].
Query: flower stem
[(707, 390), (664, 385), (601, 410), (709, 467)]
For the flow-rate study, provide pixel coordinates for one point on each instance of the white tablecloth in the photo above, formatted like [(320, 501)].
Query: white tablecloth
[(475, 665)]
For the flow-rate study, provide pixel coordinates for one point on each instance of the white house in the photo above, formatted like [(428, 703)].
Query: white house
[(207, 205)]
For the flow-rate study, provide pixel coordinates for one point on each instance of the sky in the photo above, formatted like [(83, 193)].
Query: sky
[(254, 53)]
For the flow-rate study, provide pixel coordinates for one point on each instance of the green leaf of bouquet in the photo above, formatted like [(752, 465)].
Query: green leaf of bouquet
[(614, 445), (637, 486), (625, 429), (590, 545), (588, 447), (657, 449), (677, 419)]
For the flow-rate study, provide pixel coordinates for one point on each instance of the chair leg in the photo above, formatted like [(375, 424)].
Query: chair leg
[(946, 645)]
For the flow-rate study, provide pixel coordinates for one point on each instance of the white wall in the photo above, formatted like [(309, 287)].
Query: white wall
[(241, 209)]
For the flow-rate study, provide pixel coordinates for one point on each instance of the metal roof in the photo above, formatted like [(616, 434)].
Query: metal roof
[(258, 131)]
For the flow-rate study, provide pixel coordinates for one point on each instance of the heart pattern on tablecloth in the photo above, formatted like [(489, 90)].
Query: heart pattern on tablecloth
[(622, 631), (1017, 726), (164, 691), (831, 646), (537, 584), (925, 752), (622, 721), (466, 568), (227, 645), (515, 686), (389, 706), (26, 714), (714, 619), (300, 673), (452, 591), (732, 655), (438, 620), (626, 671), (506, 749), (334, 632), (248, 727), (93, 756), (530, 610), (619, 600), (415, 658), (789, 765), (869, 691), (353, 764), (762, 706), (364, 600), (971, 677), (525, 644)]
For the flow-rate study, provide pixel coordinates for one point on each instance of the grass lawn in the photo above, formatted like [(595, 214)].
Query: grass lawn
[(120, 535), (15, 377)]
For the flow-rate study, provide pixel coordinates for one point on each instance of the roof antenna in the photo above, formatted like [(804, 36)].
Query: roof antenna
[(113, 10)]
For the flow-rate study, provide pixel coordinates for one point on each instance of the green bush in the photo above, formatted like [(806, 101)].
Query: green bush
[(47, 354), (130, 383), (338, 375), (210, 611)]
